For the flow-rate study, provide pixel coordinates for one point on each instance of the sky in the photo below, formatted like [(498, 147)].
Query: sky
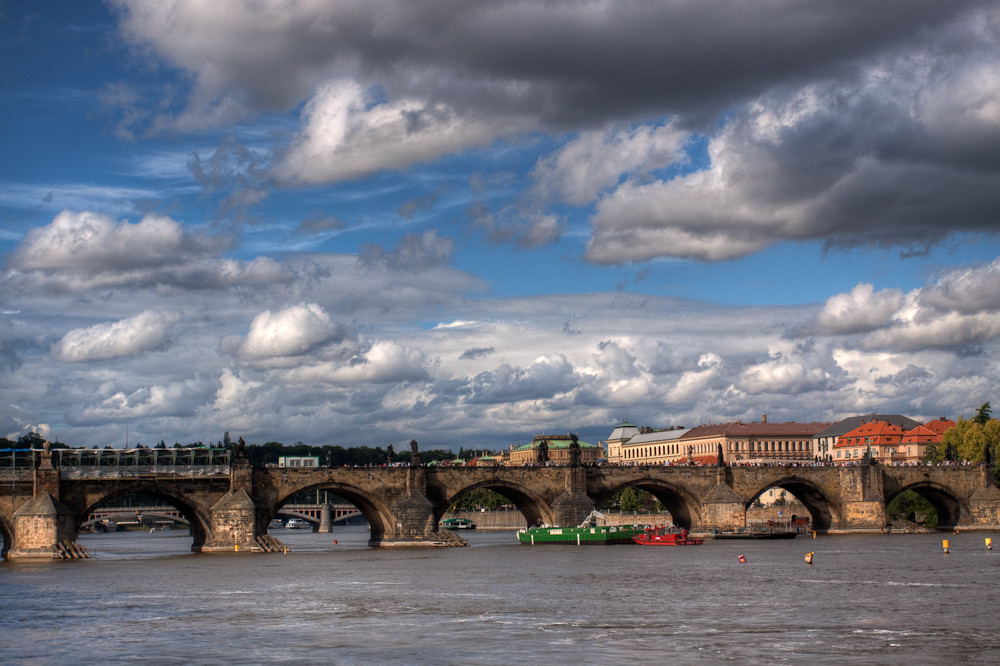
[(348, 223)]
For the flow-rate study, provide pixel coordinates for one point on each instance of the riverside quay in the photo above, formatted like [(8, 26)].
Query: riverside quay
[(45, 496)]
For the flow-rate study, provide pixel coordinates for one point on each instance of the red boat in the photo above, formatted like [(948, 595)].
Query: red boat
[(665, 536)]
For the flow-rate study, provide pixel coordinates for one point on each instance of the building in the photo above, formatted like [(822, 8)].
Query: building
[(621, 434), (628, 444), (558, 447), (740, 443), (878, 439), (915, 441), (298, 461), (753, 443), (826, 439)]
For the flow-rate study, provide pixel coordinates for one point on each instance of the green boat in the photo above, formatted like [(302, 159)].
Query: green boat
[(586, 534), (458, 524)]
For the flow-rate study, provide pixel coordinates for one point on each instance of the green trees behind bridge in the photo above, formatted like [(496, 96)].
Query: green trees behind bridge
[(976, 440), (336, 456)]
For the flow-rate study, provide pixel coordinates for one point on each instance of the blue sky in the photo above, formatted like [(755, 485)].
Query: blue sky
[(468, 223)]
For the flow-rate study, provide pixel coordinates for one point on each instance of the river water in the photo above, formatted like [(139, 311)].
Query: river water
[(145, 598)]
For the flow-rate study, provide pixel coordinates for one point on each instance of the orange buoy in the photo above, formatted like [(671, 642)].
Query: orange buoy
[(945, 544), (743, 559), (809, 558)]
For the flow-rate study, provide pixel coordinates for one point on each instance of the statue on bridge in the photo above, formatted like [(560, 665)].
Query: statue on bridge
[(949, 453), (542, 454), (241, 448), (414, 456), (390, 455), (574, 451), (720, 460)]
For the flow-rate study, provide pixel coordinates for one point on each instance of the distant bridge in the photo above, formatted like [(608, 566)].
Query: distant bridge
[(229, 506)]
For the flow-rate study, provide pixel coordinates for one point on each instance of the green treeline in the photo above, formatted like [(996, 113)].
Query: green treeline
[(338, 456)]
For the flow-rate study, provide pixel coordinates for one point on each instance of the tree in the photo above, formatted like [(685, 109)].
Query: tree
[(969, 440), (982, 414), (630, 501), (31, 440), (909, 505)]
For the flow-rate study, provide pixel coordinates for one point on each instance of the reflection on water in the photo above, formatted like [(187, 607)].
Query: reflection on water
[(144, 597)]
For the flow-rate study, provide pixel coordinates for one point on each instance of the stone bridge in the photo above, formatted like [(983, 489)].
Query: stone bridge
[(230, 508)]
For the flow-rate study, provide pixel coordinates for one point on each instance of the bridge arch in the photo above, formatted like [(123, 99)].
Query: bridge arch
[(685, 510), (196, 517), (950, 508), (374, 510), (534, 509), (822, 512), (180, 520)]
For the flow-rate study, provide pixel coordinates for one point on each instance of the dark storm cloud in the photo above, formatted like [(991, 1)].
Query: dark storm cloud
[(566, 62)]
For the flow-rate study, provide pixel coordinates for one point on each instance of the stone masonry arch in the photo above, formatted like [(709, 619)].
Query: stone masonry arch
[(196, 516), (822, 512), (377, 514), (533, 508), (685, 510), (951, 510)]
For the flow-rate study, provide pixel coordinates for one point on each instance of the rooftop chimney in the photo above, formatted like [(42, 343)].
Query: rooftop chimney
[(763, 418)]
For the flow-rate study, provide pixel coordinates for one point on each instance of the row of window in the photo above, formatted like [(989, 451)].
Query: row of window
[(702, 448)]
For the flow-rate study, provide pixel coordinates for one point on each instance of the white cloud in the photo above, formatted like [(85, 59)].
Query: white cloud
[(863, 309), (596, 161), (781, 375), (692, 384), (233, 395), (146, 332), (941, 331), (293, 331), (161, 400), (968, 290), (88, 241), (348, 136), (384, 362)]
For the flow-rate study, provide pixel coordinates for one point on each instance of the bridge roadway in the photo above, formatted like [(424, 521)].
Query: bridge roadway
[(230, 510)]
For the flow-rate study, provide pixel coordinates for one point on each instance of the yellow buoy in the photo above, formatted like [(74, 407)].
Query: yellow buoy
[(809, 558), (989, 543), (945, 544)]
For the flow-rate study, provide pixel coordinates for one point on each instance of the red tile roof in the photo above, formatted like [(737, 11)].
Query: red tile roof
[(940, 425), (921, 434), (874, 433)]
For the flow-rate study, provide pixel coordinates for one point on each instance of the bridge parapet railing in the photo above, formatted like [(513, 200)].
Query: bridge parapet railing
[(143, 471), (142, 457), (12, 459)]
